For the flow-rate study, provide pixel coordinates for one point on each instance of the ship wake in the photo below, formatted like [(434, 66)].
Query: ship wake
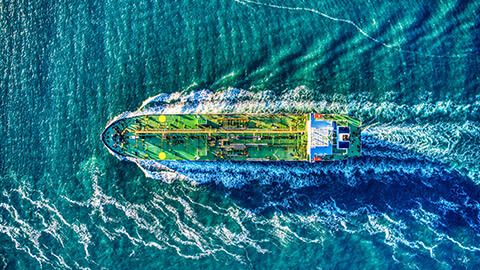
[(422, 139)]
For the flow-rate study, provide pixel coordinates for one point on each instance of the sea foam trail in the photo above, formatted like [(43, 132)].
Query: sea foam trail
[(168, 220), (453, 143), (395, 137), (36, 221), (393, 46)]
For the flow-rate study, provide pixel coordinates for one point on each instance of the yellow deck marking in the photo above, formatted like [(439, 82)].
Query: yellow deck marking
[(187, 131), (162, 118), (162, 155)]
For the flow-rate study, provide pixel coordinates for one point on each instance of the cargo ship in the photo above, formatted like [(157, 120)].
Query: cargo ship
[(235, 137)]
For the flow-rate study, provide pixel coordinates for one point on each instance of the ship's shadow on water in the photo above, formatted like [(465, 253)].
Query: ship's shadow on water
[(448, 194)]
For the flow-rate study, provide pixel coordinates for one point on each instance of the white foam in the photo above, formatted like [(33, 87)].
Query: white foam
[(393, 46), (399, 133)]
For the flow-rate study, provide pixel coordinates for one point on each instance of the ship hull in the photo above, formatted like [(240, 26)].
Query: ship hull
[(236, 137)]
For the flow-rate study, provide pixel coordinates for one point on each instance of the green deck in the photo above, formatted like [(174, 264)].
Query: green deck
[(219, 137)]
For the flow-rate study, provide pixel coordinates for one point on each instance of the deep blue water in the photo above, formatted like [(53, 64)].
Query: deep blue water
[(409, 69)]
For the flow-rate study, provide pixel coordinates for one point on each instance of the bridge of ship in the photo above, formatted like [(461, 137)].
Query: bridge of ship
[(333, 137)]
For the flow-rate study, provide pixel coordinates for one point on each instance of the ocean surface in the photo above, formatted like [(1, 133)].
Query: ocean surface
[(409, 69)]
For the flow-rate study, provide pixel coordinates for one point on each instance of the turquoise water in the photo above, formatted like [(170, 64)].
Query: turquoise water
[(409, 69)]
